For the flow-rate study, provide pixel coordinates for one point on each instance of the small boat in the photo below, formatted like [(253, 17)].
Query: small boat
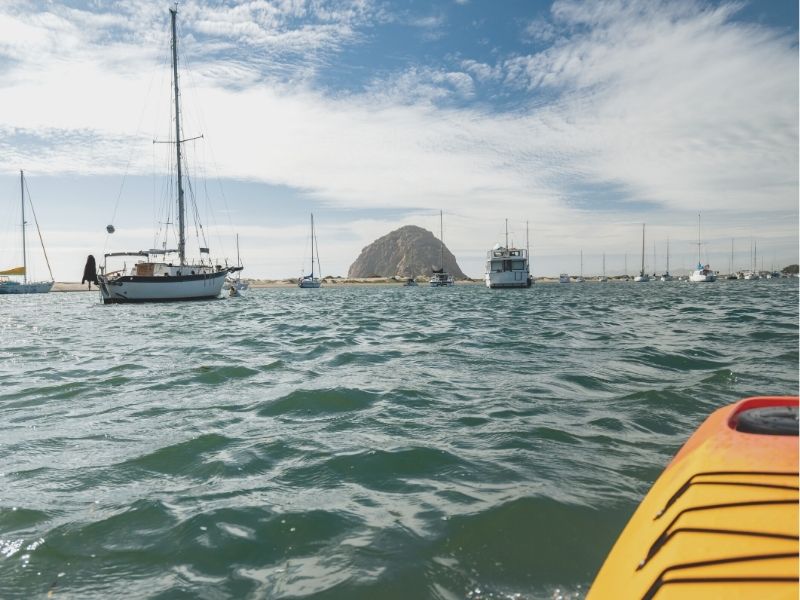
[(564, 278), (603, 278), (234, 285), (579, 278), (153, 278), (410, 282), (702, 274), (310, 281), (507, 267), (722, 519), (642, 277), (14, 286), (666, 276), (440, 277)]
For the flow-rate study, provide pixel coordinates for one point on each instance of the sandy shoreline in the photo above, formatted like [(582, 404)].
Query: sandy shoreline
[(70, 286)]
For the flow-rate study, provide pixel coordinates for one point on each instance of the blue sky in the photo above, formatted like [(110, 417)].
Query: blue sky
[(585, 119)]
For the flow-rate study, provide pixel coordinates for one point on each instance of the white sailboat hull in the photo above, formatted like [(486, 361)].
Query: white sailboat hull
[(161, 289), (39, 287)]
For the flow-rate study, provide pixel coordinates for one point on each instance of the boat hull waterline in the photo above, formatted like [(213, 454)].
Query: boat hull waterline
[(161, 289), (25, 288)]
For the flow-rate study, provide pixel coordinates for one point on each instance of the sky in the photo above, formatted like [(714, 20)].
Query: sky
[(582, 120)]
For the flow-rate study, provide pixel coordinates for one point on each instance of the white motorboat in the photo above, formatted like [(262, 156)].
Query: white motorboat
[(153, 277), (507, 267), (564, 278), (9, 282), (310, 280), (440, 277), (702, 274)]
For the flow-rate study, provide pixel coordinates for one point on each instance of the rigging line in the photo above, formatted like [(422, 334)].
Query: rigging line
[(130, 155), (39, 231), (199, 117)]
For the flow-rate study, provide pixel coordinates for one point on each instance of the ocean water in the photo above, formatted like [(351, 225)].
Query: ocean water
[(359, 442)]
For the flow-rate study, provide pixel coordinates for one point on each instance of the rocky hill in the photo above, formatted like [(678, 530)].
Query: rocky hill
[(410, 251)]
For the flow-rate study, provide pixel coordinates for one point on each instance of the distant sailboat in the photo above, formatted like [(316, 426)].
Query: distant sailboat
[(666, 276), (642, 277), (235, 285), (13, 286), (603, 278), (310, 281), (702, 274), (440, 277), (580, 278)]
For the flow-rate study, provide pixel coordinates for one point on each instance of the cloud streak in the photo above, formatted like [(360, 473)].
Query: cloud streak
[(676, 106)]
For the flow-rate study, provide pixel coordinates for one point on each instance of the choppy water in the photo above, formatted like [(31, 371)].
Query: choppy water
[(372, 442)]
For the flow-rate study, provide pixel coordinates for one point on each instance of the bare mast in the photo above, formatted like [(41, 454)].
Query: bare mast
[(642, 271), (181, 208), (441, 236), (22, 203), (312, 245)]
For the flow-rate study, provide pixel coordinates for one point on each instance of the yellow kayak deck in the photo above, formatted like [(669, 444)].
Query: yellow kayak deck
[(720, 522)]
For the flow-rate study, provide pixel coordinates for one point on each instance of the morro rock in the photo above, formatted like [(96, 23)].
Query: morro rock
[(410, 251)]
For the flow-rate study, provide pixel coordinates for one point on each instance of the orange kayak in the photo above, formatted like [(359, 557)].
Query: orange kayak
[(722, 520)]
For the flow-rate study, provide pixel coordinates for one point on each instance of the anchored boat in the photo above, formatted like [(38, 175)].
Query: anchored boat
[(440, 277), (311, 281), (702, 274), (153, 277), (508, 267), (14, 286)]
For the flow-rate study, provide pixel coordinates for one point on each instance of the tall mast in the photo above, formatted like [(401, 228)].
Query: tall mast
[(581, 263), (441, 236), (181, 209), (642, 272), (312, 245), (527, 242), (506, 233), (604, 264), (22, 203), (731, 271), (238, 259), (667, 256), (699, 262), (654, 258)]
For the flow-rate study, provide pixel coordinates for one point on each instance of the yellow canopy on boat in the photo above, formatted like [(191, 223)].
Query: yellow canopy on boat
[(14, 271)]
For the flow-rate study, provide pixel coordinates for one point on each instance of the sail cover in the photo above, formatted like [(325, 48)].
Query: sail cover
[(14, 271)]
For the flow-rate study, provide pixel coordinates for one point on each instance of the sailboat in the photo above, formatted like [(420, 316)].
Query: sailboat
[(702, 274), (234, 285), (13, 286), (152, 278), (753, 273), (440, 277), (666, 276), (508, 267), (580, 278), (310, 281), (731, 273), (642, 277), (603, 278)]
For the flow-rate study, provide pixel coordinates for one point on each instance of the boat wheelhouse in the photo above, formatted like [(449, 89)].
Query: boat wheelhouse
[(508, 267)]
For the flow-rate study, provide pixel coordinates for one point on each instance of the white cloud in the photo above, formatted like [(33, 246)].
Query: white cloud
[(669, 103)]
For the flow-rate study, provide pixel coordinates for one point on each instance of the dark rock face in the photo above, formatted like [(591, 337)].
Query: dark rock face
[(408, 252)]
